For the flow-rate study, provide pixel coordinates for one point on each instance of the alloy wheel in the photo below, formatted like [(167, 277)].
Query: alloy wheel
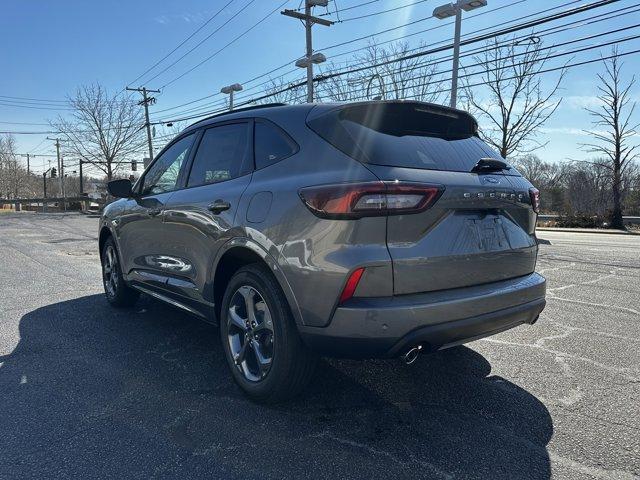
[(110, 271), (250, 333)]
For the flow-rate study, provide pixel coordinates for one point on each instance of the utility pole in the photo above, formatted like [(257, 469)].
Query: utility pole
[(44, 180), (310, 58), (60, 172), (28, 155), (81, 181), (145, 102)]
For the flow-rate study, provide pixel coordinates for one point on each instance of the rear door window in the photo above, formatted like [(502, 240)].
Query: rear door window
[(271, 144), (223, 154), (404, 134)]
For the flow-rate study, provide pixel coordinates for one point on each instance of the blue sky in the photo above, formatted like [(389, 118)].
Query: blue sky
[(50, 48)]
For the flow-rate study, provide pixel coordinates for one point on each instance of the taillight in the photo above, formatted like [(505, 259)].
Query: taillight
[(351, 285), (357, 200), (534, 194)]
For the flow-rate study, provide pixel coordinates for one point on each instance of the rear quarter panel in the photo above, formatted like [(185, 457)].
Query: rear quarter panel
[(315, 255)]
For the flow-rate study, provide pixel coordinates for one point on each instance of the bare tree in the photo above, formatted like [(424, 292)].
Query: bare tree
[(281, 91), (104, 131), (517, 104), (543, 175), (613, 142), (390, 75), (13, 176), (587, 189)]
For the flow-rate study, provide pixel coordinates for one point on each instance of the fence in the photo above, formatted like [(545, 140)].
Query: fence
[(628, 220), (59, 204)]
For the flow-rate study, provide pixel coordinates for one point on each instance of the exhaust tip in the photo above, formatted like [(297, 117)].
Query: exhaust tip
[(411, 355)]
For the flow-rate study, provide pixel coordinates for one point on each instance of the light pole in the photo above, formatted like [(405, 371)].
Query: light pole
[(228, 90), (450, 10)]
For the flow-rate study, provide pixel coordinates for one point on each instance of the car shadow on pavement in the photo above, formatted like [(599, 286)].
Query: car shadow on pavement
[(145, 393)]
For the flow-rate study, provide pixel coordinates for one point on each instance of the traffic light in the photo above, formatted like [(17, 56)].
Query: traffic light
[(54, 172), (134, 166)]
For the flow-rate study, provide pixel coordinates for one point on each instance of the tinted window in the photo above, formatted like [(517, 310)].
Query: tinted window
[(407, 134), (163, 175), (271, 144), (221, 154)]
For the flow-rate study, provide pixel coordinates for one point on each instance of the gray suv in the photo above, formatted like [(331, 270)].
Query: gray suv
[(360, 230)]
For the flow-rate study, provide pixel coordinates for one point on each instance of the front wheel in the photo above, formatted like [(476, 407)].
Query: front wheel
[(261, 343), (118, 293)]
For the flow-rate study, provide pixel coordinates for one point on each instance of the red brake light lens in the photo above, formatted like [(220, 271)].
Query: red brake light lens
[(357, 200), (351, 285), (534, 193)]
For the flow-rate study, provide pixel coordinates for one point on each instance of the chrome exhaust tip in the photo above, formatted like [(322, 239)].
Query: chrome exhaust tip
[(411, 355)]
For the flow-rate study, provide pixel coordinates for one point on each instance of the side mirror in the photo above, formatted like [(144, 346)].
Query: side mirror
[(120, 188)]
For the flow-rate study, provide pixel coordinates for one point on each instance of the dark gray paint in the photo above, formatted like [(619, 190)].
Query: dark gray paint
[(461, 241)]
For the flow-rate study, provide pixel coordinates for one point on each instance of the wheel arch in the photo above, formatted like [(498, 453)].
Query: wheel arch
[(237, 253), (105, 233)]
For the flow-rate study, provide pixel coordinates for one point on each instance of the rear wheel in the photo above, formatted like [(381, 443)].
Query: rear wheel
[(118, 293), (262, 347)]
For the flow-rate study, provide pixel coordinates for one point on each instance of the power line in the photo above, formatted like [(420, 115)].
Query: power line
[(227, 45), (549, 70), (443, 25), (10, 132), (182, 43), (17, 105), (542, 71), (24, 123), (33, 99), (340, 54), (480, 38), (549, 31), (30, 102), (340, 10), (381, 11), (246, 90), (422, 53), (201, 41), (35, 149), (427, 52), (553, 69), (549, 57)]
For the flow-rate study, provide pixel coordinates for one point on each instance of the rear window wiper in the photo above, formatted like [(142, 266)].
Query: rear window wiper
[(490, 165)]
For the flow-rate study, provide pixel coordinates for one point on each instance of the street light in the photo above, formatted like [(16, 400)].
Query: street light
[(315, 59), (450, 10), (228, 90)]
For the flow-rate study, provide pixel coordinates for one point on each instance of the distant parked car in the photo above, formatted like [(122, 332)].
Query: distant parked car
[(376, 229)]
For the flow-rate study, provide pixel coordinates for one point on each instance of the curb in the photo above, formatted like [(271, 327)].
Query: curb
[(586, 230)]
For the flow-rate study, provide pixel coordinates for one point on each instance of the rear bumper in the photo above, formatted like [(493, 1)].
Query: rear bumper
[(387, 327)]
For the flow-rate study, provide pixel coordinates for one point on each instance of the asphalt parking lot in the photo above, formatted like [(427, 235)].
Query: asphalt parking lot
[(88, 391)]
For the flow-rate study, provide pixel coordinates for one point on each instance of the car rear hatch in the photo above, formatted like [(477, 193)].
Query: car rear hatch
[(481, 228)]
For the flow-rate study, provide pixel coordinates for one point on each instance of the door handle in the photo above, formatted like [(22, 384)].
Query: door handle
[(152, 212), (219, 206)]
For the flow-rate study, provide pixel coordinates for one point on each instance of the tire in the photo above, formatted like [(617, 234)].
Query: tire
[(118, 293), (273, 337)]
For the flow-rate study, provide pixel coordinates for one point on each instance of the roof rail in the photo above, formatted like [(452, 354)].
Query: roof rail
[(252, 107)]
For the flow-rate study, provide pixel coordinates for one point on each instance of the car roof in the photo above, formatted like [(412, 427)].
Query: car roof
[(277, 109), (247, 112)]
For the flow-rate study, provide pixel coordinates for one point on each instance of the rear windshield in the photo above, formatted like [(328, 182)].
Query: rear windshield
[(412, 135)]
